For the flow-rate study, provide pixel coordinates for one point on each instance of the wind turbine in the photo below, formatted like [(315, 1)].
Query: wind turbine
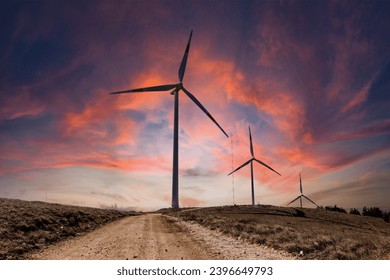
[(251, 162), (175, 88), (302, 195)]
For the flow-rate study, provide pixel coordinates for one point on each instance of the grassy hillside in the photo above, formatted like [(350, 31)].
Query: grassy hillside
[(26, 226), (306, 233)]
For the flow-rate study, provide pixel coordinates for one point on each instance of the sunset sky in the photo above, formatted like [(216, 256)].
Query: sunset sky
[(311, 78)]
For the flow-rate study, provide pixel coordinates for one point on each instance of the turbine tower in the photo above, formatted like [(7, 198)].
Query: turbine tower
[(302, 195), (175, 88), (251, 162)]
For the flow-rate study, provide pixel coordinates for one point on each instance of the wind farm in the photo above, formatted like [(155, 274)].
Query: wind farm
[(103, 106)]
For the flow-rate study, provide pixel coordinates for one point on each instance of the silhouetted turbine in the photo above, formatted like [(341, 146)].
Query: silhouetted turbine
[(251, 162), (175, 91), (302, 195)]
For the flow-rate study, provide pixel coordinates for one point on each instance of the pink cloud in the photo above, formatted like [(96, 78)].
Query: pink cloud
[(360, 96), (21, 105)]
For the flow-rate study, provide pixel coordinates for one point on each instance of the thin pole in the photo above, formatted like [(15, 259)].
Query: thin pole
[(175, 170), (231, 141), (253, 185)]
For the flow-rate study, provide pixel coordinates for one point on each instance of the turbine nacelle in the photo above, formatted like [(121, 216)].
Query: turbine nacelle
[(178, 87)]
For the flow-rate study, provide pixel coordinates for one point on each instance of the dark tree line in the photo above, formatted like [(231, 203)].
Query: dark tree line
[(376, 212), (372, 212)]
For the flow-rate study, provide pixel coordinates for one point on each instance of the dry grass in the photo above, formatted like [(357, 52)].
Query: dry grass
[(27, 226), (306, 233)]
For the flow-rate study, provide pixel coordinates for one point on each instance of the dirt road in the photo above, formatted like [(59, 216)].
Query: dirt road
[(154, 236)]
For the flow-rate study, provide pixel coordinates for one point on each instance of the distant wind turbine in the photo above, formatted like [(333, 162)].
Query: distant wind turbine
[(175, 91), (302, 195), (251, 162)]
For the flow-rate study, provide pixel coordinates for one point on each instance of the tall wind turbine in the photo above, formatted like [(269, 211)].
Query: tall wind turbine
[(302, 195), (175, 88), (251, 162)]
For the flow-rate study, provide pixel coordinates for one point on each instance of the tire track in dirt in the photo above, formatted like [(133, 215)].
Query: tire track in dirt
[(152, 237), (143, 237)]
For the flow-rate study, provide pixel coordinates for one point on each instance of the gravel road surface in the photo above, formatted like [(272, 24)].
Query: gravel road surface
[(155, 237)]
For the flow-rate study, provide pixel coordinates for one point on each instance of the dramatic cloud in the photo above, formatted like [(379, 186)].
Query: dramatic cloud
[(311, 78)]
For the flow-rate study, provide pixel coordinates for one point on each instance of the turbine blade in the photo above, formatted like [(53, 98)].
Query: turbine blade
[(300, 182), (155, 88), (250, 139), (241, 166), (192, 97), (183, 63), (310, 200), (262, 163), (294, 200)]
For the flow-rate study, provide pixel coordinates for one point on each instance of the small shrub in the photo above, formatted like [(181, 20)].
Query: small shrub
[(250, 228), (25, 227), (72, 221), (322, 242), (244, 221), (238, 227), (261, 240), (386, 216), (278, 228), (191, 217), (354, 211), (335, 208), (299, 213), (262, 229)]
